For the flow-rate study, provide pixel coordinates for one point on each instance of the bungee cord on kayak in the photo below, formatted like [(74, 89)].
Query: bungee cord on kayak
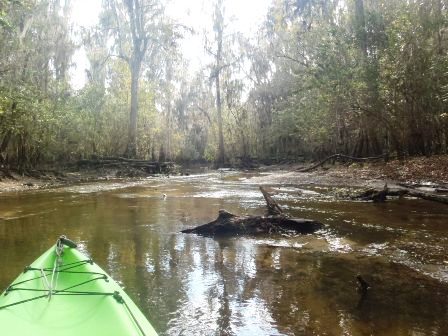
[(57, 262)]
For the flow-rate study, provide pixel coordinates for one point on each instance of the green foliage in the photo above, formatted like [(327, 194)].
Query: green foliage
[(358, 77)]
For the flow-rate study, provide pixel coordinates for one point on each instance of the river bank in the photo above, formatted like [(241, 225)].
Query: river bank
[(415, 171), (430, 171), (18, 182)]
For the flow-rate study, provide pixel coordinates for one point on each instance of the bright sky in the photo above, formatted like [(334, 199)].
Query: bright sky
[(245, 17)]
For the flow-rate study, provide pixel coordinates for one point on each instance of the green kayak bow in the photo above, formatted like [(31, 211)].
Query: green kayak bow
[(65, 293)]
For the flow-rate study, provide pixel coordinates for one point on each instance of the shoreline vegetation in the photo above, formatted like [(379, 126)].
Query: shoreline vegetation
[(315, 78), (410, 172)]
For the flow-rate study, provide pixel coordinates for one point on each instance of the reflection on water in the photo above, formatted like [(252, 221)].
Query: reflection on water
[(189, 285)]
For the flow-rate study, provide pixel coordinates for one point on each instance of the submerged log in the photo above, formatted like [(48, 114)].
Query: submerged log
[(230, 224), (363, 286), (277, 222)]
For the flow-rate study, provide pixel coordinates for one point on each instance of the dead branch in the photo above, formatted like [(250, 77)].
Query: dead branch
[(273, 207), (339, 157)]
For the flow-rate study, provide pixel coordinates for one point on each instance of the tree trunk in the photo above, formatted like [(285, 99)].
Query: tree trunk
[(371, 101), (221, 153), (168, 129), (131, 150), (361, 26), (169, 107), (219, 37), (4, 144), (21, 153)]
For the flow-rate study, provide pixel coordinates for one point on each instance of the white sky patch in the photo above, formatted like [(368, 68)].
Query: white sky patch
[(244, 16), (78, 76), (85, 12)]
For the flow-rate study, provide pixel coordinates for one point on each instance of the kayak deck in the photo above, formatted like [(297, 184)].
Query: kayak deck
[(83, 300)]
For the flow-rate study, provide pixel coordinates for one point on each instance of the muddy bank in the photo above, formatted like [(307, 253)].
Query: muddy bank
[(20, 182), (53, 179), (421, 170), (13, 181)]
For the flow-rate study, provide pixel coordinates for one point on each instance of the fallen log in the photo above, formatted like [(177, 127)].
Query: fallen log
[(381, 195), (228, 224), (436, 188), (428, 196), (339, 157)]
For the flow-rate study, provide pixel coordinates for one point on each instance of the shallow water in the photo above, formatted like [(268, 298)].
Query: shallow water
[(190, 285)]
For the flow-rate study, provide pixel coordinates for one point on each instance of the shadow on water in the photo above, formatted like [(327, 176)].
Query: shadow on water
[(190, 285)]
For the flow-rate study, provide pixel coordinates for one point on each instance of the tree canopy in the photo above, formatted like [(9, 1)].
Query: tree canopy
[(357, 77)]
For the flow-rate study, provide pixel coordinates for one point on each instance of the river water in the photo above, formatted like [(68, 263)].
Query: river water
[(191, 285)]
